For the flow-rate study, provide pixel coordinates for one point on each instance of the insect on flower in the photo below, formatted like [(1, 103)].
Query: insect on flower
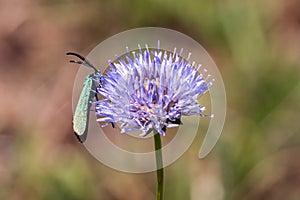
[(150, 89), (82, 111)]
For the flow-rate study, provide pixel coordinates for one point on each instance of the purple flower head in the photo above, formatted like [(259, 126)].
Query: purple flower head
[(151, 89)]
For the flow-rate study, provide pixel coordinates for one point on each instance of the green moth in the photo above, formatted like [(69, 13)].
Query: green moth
[(82, 111)]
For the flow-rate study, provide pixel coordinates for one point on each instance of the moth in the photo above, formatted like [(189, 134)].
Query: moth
[(87, 95)]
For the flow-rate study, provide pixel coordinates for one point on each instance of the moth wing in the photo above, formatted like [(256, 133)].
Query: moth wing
[(82, 111)]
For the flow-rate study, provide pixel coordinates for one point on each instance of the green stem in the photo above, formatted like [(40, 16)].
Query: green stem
[(159, 167)]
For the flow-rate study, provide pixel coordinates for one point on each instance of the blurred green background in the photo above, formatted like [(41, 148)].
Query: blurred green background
[(256, 45)]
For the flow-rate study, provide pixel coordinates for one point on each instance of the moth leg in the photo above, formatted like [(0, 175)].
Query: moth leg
[(112, 124)]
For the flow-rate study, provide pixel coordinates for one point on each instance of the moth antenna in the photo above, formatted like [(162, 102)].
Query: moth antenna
[(83, 62), (77, 62)]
